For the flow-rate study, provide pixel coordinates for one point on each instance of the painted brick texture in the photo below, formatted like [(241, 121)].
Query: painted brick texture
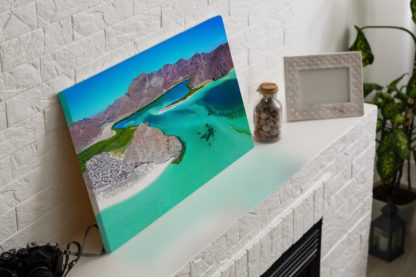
[(49, 45)]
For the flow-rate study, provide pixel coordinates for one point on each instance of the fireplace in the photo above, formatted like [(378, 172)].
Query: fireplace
[(302, 259)]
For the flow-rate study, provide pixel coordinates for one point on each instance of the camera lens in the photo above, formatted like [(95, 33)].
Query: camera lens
[(6, 273), (41, 272), (6, 256)]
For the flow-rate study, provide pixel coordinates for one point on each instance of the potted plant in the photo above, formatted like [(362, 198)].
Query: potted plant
[(396, 134)]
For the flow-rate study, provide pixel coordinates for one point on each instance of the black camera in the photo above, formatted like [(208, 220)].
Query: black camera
[(33, 261)]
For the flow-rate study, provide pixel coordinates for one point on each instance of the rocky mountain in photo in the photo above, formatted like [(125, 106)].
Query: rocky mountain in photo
[(107, 174), (145, 88), (150, 145)]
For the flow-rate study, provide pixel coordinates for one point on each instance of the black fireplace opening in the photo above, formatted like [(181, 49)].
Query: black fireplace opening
[(302, 259)]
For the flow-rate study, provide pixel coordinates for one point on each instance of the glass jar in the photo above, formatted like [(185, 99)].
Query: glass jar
[(268, 114)]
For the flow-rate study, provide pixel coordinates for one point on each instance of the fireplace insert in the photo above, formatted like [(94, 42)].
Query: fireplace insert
[(302, 259)]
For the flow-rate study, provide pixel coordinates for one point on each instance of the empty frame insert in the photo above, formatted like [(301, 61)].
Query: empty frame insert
[(324, 86)]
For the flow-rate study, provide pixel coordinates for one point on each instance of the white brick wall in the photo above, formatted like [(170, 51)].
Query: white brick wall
[(336, 186), (49, 45)]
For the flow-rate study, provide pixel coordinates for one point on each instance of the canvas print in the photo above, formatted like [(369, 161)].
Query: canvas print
[(153, 129)]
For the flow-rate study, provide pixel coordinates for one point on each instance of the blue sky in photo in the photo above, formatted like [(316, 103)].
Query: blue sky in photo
[(95, 94)]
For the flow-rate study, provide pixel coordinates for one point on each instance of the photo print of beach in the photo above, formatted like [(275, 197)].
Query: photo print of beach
[(153, 129)]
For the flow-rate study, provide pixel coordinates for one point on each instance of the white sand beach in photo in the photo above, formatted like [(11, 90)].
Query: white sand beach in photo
[(151, 173)]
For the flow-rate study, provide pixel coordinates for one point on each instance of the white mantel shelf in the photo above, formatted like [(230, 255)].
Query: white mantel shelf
[(178, 237)]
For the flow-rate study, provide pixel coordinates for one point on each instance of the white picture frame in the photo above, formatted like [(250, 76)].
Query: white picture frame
[(324, 86)]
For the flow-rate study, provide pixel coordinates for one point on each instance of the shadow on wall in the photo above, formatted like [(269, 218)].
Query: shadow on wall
[(75, 213), (393, 50), (50, 199), (77, 204), (325, 25)]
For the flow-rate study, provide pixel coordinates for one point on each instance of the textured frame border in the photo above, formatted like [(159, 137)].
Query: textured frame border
[(296, 111)]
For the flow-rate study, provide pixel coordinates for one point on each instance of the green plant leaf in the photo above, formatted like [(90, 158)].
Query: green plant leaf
[(398, 120), (413, 9), (401, 144), (379, 124), (386, 97), (378, 100), (402, 97), (389, 110), (361, 44), (370, 87), (386, 165), (393, 85), (386, 143), (411, 86)]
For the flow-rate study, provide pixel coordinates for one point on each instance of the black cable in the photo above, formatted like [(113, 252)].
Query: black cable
[(68, 265)]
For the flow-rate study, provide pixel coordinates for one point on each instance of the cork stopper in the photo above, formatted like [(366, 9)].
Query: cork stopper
[(268, 89)]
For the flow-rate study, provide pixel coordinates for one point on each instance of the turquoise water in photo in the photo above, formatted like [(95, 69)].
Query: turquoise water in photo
[(213, 128)]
